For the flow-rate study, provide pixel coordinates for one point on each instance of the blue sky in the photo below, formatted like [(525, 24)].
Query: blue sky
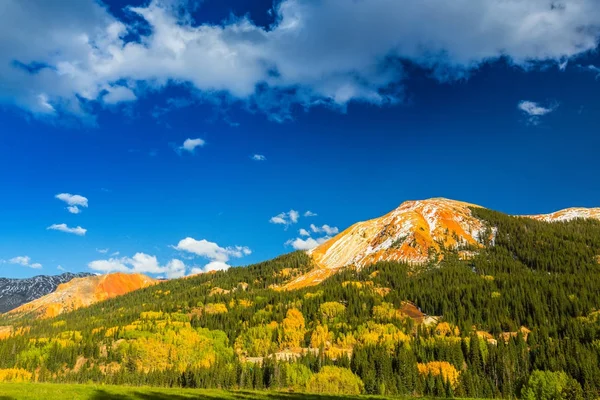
[(353, 108)]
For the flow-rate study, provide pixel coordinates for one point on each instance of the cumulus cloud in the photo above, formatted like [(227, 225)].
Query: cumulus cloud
[(534, 110), (216, 266), (286, 218), (118, 94), (25, 261), (329, 230), (74, 201), (310, 214), (315, 52), (306, 244), (218, 256), (79, 231), (304, 232), (140, 263), (259, 157), (190, 145)]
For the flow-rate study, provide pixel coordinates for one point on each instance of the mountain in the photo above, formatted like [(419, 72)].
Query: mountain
[(568, 214), (14, 292), (520, 309), (82, 292), (414, 233)]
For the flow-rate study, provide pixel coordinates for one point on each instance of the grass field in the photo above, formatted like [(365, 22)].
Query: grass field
[(50, 391)]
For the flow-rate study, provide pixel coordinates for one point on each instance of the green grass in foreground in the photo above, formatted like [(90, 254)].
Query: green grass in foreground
[(50, 391)]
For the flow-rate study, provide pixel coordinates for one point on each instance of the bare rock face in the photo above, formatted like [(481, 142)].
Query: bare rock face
[(83, 292), (15, 292)]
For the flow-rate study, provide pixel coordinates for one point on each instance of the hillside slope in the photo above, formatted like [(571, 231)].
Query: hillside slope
[(530, 301), (82, 292), (415, 233), (15, 292)]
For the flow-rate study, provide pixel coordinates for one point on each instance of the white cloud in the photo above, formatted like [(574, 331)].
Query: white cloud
[(285, 218), (217, 255), (140, 263), (25, 261), (535, 111), (118, 94), (61, 268), (111, 265), (64, 228), (329, 230), (102, 251), (316, 52), (211, 250), (190, 145), (310, 214), (259, 157), (216, 266), (304, 232), (74, 201), (306, 244)]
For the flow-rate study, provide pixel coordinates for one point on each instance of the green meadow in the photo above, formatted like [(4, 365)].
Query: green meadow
[(51, 391)]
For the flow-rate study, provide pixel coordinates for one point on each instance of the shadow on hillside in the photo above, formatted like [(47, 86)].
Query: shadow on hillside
[(7, 398), (241, 395), (247, 395), (104, 395)]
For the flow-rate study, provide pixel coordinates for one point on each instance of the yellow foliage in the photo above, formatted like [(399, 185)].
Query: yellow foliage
[(335, 380), (313, 295), (346, 341), (332, 309), (59, 324), (74, 336), (386, 312), (445, 329), (152, 315), (97, 330), (320, 336), (445, 369), (111, 331), (388, 335), (179, 349), (245, 303), (15, 375), (293, 329), (215, 308), (488, 277), (356, 284), (256, 341)]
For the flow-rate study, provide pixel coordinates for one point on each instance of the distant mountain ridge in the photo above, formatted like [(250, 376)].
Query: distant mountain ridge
[(15, 292), (412, 233), (82, 292)]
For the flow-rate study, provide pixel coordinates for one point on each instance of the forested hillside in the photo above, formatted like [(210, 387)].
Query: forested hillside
[(518, 317)]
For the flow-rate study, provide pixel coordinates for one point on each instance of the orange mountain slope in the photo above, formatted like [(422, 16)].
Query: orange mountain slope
[(83, 292), (411, 233)]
